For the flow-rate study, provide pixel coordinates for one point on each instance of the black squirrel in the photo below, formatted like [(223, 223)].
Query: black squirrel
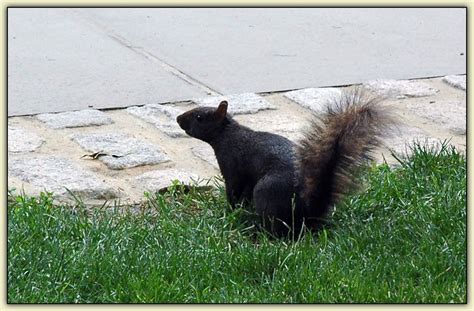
[(292, 184)]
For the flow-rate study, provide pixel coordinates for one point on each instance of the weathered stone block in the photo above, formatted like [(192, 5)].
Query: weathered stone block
[(159, 179), (456, 81), (122, 151), (55, 174), (449, 115), (403, 137), (163, 117), (87, 117), (245, 103), (20, 140), (400, 89), (206, 153), (316, 99)]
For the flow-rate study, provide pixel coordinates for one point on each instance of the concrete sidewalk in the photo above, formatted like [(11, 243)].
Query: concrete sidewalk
[(144, 149), (72, 59)]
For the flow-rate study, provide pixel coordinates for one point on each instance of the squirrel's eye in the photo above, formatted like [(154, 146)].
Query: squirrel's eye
[(198, 117)]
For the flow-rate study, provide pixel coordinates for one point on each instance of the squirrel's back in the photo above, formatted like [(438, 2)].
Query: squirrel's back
[(245, 156)]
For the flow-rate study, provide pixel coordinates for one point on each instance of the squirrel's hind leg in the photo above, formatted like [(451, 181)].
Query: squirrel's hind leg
[(272, 197), (238, 194)]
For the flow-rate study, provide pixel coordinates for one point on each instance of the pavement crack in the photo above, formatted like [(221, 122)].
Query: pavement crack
[(148, 55), (166, 66)]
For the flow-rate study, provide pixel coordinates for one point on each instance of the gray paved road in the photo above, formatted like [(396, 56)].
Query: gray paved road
[(70, 59)]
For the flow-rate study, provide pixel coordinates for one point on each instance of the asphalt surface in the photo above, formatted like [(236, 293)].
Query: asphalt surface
[(72, 59)]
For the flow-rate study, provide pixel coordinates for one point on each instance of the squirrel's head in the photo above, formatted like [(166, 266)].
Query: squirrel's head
[(204, 123)]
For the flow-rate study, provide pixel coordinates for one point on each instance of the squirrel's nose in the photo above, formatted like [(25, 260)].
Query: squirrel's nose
[(178, 119)]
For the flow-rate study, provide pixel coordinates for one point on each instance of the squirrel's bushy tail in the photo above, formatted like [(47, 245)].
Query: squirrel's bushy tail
[(337, 142)]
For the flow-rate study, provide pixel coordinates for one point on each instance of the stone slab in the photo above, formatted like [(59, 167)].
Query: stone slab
[(404, 136), (20, 140), (163, 117), (53, 174), (131, 152), (315, 99), (399, 89), (265, 50), (59, 60), (450, 115), (236, 50), (245, 103), (288, 126), (161, 179), (457, 81), (206, 153), (86, 117)]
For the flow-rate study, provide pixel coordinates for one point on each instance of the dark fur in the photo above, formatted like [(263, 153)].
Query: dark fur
[(271, 172)]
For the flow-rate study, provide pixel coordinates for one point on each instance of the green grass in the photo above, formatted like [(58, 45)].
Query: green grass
[(402, 240)]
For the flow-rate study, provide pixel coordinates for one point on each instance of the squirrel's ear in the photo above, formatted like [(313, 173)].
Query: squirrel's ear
[(221, 110)]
